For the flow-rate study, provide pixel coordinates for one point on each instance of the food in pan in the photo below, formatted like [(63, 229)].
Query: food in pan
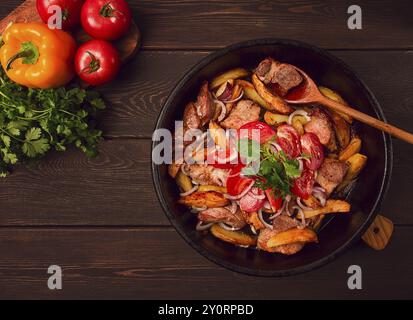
[(263, 173)]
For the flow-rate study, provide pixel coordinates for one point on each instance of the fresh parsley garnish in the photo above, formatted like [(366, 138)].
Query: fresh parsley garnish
[(276, 171), (33, 121)]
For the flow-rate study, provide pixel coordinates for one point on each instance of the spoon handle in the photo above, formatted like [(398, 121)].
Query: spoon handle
[(371, 121)]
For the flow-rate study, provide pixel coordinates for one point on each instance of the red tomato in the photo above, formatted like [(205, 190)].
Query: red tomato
[(289, 140), (303, 186), (236, 183), (264, 130), (106, 20), (216, 162), (311, 145), (249, 203), (275, 202), (70, 11), (97, 62)]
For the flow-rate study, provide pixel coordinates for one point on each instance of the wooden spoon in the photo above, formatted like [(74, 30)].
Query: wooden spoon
[(308, 92)]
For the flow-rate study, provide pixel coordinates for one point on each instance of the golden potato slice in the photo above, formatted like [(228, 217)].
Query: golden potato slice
[(218, 134), (274, 102), (274, 118), (251, 93), (253, 220), (210, 199), (298, 126), (331, 94), (235, 94), (183, 181), (311, 202), (352, 148), (292, 236), (356, 163), (234, 237), (205, 188), (229, 75), (332, 206), (342, 129)]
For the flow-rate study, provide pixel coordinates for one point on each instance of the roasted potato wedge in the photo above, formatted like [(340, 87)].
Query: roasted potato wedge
[(298, 125), (183, 181), (331, 94), (292, 236), (275, 103), (218, 134), (274, 118), (234, 237), (210, 199), (251, 93), (235, 94), (230, 74), (205, 188), (173, 169), (311, 202), (342, 129), (317, 221), (253, 220), (356, 163), (332, 206), (352, 148)]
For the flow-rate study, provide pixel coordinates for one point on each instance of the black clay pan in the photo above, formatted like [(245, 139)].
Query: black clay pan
[(341, 231)]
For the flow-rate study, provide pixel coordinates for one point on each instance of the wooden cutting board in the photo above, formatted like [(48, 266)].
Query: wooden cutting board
[(27, 12)]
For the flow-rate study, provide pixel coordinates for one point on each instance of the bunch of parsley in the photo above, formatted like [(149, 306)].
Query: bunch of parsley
[(276, 170), (33, 121)]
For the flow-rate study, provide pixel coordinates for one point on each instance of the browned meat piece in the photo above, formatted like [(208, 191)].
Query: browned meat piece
[(331, 173), (280, 224), (205, 106), (245, 111), (265, 70), (235, 220), (280, 77), (321, 125), (207, 175)]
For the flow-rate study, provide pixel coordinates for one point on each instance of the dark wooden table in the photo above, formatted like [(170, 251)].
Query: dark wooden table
[(100, 220)]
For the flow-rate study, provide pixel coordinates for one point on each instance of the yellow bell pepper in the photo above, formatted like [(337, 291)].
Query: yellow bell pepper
[(35, 56)]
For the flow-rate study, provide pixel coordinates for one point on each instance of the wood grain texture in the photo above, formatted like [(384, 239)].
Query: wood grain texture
[(68, 188), (156, 263), (216, 24), (116, 189), (26, 12), (176, 24), (379, 233), (142, 88)]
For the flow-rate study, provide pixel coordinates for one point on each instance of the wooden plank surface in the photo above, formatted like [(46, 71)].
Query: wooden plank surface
[(138, 263), (100, 219), (143, 87), (116, 189), (175, 24)]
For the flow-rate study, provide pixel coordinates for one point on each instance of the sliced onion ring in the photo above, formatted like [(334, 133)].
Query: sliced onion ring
[(227, 227), (299, 112), (187, 193), (243, 193), (301, 205), (201, 226), (266, 224), (236, 99)]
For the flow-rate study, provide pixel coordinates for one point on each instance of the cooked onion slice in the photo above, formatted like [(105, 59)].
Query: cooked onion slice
[(243, 193), (265, 223), (187, 193), (299, 112), (227, 227), (201, 226)]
